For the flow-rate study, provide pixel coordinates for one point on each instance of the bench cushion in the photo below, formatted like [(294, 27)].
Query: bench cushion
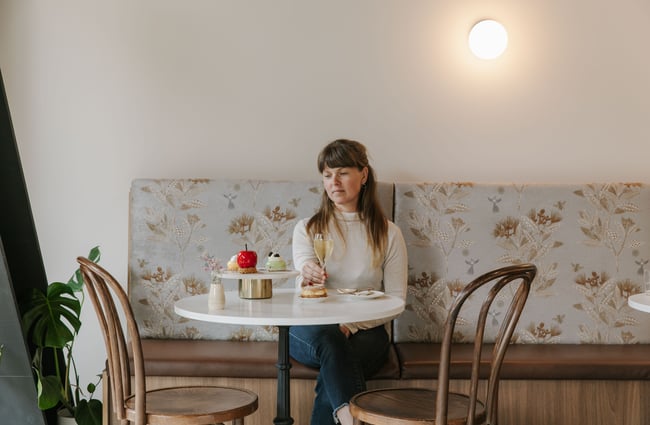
[(533, 361), (257, 359), (233, 359)]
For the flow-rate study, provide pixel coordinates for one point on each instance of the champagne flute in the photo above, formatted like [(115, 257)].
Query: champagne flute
[(323, 246)]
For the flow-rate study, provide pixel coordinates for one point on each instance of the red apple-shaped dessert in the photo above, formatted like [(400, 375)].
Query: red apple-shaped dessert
[(247, 261)]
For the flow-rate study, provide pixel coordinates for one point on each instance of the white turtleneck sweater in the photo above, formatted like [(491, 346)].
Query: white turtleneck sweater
[(351, 262)]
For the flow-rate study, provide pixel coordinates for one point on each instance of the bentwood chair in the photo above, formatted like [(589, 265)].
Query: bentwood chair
[(193, 405), (418, 406)]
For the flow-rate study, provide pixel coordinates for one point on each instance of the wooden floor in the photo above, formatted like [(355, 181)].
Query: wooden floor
[(534, 402)]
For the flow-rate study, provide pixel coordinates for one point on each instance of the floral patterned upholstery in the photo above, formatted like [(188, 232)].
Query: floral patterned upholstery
[(589, 243), (181, 228)]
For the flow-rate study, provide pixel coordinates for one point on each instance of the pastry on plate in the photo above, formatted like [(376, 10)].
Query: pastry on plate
[(275, 262), (232, 264), (247, 261), (313, 291)]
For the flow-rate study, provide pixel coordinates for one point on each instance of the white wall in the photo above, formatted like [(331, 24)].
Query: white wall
[(104, 92)]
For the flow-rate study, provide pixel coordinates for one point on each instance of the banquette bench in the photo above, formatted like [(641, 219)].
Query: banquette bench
[(580, 354)]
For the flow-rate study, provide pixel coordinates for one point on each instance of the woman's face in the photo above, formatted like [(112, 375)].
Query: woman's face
[(343, 186)]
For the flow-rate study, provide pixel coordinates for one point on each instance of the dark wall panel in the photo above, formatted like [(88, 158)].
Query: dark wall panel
[(21, 269), (16, 222)]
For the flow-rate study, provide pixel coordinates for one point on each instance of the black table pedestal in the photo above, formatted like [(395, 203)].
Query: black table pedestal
[(283, 407)]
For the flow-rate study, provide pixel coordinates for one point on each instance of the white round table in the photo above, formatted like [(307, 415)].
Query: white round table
[(286, 309), (640, 302)]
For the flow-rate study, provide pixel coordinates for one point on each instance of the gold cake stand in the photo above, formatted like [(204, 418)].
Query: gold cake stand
[(259, 285)]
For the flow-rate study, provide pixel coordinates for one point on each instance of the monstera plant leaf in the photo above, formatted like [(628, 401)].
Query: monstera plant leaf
[(76, 282), (53, 317), (52, 320), (89, 412), (49, 391)]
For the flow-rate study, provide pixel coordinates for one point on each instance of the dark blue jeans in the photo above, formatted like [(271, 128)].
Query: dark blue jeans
[(344, 363)]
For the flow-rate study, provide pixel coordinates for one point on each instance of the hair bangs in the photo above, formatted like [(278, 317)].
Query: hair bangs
[(341, 153)]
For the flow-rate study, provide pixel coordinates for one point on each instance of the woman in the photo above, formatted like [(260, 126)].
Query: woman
[(369, 252)]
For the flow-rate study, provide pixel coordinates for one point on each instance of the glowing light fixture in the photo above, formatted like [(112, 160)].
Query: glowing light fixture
[(488, 39)]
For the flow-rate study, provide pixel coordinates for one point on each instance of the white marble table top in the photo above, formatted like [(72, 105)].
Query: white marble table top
[(285, 308)]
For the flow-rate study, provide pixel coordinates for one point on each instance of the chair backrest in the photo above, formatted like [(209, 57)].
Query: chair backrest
[(101, 286), (520, 277)]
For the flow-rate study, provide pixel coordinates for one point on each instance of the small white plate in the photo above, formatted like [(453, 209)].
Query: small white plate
[(364, 295)]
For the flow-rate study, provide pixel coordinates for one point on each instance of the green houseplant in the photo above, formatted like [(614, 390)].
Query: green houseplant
[(52, 321)]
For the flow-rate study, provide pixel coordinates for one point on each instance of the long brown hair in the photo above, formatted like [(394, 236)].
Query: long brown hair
[(349, 153)]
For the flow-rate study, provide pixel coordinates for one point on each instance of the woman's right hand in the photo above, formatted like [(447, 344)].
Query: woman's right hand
[(312, 273)]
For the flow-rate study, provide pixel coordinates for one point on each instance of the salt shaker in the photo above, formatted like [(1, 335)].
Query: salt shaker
[(216, 297)]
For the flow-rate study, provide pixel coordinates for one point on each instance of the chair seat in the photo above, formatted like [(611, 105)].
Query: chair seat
[(199, 404), (419, 406), (410, 406)]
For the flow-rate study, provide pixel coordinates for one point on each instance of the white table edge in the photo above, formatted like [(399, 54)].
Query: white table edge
[(217, 316), (639, 302)]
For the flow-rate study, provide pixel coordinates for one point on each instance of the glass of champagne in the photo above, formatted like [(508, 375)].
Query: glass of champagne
[(323, 246)]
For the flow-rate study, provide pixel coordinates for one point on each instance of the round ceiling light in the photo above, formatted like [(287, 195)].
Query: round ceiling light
[(488, 39)]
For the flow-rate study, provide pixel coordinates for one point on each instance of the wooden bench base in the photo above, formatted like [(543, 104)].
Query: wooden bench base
[(541, 384), (530, 402)]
